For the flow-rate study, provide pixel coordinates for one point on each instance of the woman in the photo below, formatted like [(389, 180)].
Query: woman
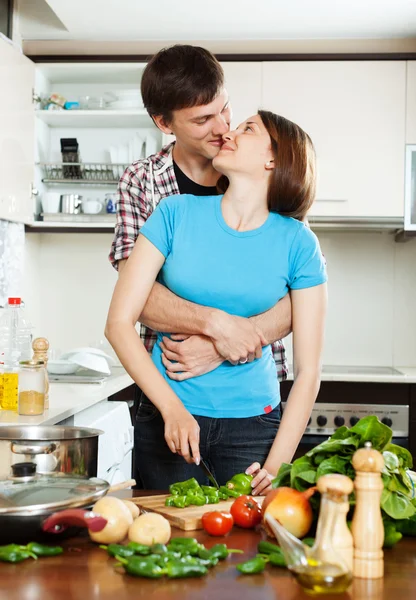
[(236, 254)]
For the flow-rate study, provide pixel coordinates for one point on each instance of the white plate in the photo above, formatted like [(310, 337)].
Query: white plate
[(61, 367), (93, 362), (88, 350)]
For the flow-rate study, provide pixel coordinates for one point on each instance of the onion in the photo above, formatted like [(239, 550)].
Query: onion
[(291, 508)]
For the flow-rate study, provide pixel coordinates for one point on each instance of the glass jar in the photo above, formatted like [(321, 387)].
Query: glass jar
[(31, 387)]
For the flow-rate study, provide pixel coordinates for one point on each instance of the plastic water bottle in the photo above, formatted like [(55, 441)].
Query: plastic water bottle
[(15, 345)]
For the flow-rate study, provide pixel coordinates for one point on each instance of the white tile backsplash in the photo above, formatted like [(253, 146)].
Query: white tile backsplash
[(372, 292)]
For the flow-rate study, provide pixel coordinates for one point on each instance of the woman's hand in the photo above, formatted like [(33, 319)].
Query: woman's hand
[(194, 355), (262, 482), (182, 433), (236, 339)]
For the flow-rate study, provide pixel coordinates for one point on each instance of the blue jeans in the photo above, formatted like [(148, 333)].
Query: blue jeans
[(229, 446)]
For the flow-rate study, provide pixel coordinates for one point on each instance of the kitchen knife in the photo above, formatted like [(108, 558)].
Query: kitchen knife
[(208, 473)]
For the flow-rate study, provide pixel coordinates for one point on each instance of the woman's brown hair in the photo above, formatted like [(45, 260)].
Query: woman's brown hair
[(293, 180)]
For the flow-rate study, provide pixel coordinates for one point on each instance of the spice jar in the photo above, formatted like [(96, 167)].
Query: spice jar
[(31, 387)]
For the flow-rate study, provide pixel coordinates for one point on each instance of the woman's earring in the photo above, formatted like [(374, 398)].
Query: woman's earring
[(268, 164)]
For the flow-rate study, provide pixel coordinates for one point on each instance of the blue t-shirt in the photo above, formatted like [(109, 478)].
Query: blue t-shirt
[(241, 272)]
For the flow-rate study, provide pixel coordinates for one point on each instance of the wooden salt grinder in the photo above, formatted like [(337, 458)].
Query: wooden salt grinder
[(338, 488), (367, 524), (40, 348)]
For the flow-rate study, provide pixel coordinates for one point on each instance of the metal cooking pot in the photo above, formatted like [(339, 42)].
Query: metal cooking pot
[(46, 507), (54, 449)]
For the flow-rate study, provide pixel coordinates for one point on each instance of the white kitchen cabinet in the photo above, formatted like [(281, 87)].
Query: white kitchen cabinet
[(411, 103), (355, 115), (17, 75), (243, 83), (30, 152)]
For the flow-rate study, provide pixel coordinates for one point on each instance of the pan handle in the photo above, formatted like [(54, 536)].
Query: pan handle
[(59, 521), (18, 448)]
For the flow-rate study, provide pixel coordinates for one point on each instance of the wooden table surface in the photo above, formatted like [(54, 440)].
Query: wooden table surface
[(85, 572)]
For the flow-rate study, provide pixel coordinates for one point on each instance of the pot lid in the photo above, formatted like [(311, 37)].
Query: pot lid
[(44, 494)]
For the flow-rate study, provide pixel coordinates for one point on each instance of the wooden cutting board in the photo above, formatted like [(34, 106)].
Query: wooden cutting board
[(189, 518)]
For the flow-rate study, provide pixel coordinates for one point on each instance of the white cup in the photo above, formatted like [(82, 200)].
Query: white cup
[(51, 202), (92, 207)]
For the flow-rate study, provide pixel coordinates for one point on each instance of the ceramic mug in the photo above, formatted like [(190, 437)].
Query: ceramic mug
[(92, 207), (51, 202)]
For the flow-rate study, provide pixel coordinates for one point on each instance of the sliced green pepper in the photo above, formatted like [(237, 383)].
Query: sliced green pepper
[(179, 501), (41, 550), (255, 565), (212, 499), (195, 499), (229, 493), (141, 566), (180, 570), (209, 490), (182, 487), (240, 483)]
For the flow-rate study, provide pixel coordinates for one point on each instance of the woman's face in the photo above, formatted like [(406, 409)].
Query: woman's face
[(246, 149)]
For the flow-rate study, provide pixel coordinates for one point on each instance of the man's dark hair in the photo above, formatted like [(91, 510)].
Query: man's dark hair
[(180, 76)]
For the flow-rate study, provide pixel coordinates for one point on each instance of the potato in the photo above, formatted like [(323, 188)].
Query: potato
[(149, 529), (118, 517), (133, 508)]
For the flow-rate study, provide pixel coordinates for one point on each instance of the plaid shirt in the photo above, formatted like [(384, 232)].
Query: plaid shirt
[(141, 187)]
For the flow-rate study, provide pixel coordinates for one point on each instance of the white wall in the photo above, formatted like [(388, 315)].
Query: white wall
[(372, 287), (73, 285)]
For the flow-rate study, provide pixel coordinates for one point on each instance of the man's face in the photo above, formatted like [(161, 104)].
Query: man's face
[(199, 129)]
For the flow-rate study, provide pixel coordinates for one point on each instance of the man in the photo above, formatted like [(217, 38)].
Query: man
[(183, 91)]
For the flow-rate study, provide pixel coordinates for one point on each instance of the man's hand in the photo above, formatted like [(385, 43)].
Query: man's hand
[(237, 339), (193, 355)]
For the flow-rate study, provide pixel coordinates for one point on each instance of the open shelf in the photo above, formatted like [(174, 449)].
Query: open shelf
[(95, 118)]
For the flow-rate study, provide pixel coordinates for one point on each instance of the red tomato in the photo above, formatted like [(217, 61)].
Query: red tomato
[(217, 523), (246, 512)]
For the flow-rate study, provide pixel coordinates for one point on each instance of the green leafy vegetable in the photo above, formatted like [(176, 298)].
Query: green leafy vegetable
[(334, 455)]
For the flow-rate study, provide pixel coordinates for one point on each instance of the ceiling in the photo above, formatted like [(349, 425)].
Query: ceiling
[(185, 20)]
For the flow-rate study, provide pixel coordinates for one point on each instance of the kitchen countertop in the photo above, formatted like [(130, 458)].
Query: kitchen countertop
[(366, 374), (85, 571), (67, 399)]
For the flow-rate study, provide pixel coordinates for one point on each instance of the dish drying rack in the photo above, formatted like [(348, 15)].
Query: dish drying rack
[(83, 173)]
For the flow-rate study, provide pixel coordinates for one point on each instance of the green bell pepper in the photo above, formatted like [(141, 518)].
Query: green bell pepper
[(226, 493), (195, 499), (240, 483)]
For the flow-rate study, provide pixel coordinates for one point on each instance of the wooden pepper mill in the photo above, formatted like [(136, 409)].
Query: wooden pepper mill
[(337, 488), (40, 348), (367, 523)]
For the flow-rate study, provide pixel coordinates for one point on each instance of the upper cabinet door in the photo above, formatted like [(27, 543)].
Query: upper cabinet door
[(17, 130), (355, 115), (411, 103), (243, 84)]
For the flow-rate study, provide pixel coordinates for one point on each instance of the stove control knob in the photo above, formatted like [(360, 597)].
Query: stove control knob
[(387, 421), (321, 420), (339, 421), (310, 421), (354, 421)]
